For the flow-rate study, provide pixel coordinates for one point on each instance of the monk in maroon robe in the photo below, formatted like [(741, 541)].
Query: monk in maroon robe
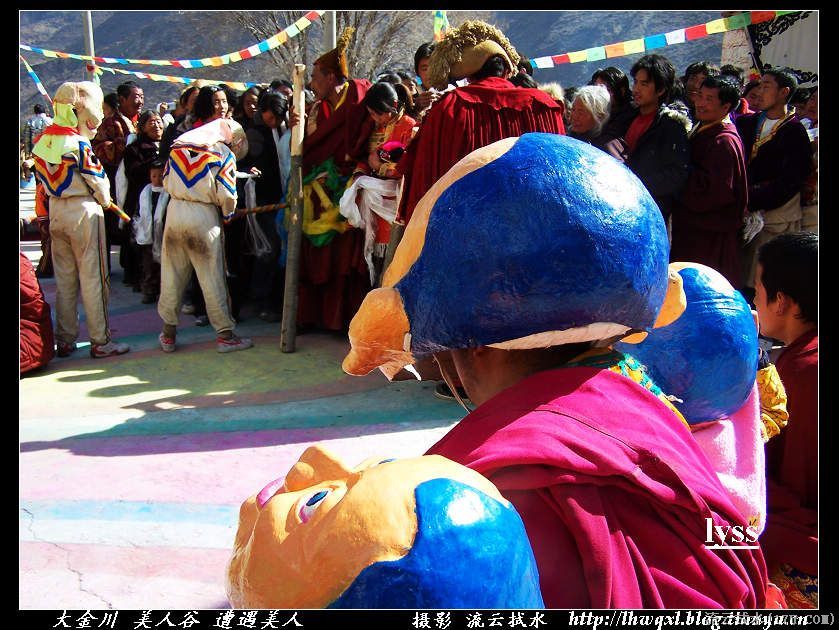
[(709, 213), (334, 278), (616, 505), (786, 300), (621, 506), (489, 109)]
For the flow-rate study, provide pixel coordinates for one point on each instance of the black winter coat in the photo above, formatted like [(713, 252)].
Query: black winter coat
[(662, 156), (262, 154)]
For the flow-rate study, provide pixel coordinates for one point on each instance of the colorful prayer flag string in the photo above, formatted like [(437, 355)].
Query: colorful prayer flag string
[(37, 81), (236, 85), (220, 60), (441, 25), (679, 36)]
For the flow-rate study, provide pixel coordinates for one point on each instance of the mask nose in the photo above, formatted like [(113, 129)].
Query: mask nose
[(316, 465)]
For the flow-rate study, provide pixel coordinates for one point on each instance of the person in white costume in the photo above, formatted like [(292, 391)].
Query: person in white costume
[(79, 192), (200, 180)]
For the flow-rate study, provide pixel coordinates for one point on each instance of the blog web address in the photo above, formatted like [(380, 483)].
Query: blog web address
[(696, 618)]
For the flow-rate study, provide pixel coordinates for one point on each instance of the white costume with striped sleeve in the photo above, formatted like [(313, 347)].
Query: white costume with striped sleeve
[(200, 180), (79, 190)]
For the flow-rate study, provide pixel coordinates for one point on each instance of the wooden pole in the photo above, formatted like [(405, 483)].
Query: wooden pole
[(88, 44), (288, 332), (329, 34)]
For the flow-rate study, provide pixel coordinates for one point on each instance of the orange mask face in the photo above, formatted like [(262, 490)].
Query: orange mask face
[(301, 543)]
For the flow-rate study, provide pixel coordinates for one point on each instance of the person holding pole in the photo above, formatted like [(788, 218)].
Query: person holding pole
[(333, 275)]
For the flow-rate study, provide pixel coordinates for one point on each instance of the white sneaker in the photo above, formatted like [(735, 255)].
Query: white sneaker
[(110, 349), (233, 344), (167, 344)]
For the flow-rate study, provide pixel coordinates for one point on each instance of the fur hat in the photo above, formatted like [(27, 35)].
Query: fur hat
[(465, 50), (336, 59)]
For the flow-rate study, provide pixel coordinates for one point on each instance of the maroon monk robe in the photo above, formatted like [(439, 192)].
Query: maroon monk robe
[(614, 493), (792, 463), (709, 214), (466, 119), (36, 334), (334, 279)]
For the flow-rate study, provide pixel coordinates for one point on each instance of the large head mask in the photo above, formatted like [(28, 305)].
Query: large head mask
[(529, 242), (79, 105), (707, 357), (423, 532)]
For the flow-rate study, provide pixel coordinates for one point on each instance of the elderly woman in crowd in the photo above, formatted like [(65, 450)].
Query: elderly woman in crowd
[(589, 114)]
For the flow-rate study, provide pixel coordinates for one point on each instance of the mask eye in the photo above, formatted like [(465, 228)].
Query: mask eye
[(308, 508)]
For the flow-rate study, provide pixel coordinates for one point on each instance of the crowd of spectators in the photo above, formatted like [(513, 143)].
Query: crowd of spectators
[(731, 164)]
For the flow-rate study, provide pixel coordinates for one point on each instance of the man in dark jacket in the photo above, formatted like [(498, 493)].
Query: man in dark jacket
[(777, 149), (657, 138), (268, 281)]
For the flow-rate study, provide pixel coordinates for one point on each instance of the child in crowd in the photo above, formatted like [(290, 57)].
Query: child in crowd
[(370, 202), (386, 103), (148, 230)]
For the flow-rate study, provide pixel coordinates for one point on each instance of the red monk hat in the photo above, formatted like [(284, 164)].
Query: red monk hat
[(335, 60)]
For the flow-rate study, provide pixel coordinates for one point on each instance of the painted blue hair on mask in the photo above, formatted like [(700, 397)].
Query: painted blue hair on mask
[(708, 356), (470, 551)]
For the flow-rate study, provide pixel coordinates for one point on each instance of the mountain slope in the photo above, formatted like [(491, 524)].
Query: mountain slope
[(198, 34), (543, 33)]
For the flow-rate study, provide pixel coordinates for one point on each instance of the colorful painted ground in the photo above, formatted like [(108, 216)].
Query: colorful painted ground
[(132, 469)]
